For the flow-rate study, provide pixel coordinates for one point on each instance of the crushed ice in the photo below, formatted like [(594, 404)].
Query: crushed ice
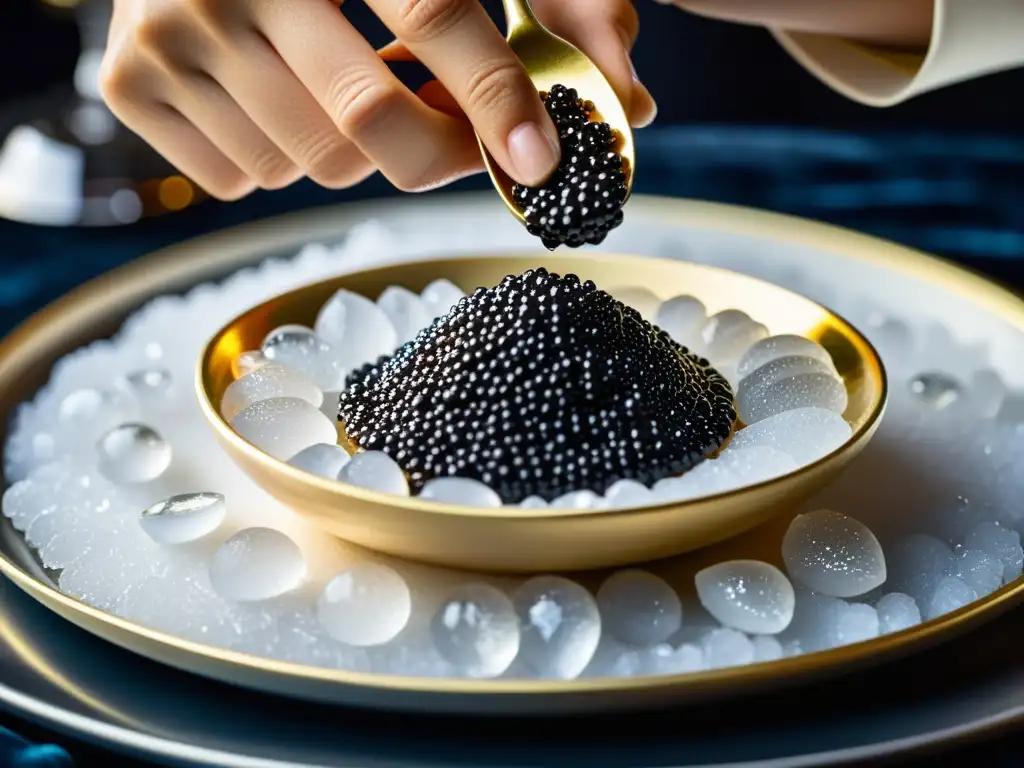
[(119, 487)]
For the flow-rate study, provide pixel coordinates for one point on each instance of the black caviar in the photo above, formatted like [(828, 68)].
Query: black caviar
[(540, 386), (582, 201)]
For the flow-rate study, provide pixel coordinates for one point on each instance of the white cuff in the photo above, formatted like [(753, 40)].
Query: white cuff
[(970, 38)]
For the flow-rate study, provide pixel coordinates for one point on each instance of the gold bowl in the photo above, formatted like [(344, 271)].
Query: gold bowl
[(511, 539)]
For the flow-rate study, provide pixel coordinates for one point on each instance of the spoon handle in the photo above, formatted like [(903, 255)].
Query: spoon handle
[(518, 16)]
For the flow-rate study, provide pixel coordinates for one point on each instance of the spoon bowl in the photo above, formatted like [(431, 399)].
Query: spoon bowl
[(549, 60)]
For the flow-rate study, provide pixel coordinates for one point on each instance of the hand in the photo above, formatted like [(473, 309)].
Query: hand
[(240, 94), (897, 23)]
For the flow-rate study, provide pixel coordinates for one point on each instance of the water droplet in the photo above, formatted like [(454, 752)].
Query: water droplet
[(150, 386), (133, 453), (936, 390), (184, 518)]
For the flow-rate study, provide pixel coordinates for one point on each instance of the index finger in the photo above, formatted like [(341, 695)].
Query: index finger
[(459, 43)]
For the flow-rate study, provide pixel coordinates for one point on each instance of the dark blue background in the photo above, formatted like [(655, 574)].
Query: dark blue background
[(739, 123)]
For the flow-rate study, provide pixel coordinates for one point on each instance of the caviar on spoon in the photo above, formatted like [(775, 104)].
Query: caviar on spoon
[(578, 91)]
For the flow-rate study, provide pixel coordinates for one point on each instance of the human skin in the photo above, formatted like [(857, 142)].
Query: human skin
[(240, 94)]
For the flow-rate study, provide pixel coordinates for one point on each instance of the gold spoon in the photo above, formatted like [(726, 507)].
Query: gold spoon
[(550, 60)]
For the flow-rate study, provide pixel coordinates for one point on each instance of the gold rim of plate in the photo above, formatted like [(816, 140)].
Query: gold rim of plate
[(97, 308), (548, 539)]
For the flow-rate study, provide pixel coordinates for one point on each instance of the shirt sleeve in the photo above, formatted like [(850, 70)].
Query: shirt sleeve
[(970, 38)]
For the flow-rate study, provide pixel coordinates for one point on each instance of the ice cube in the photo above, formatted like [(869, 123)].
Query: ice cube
[(896, 612), (755, 463), (709, 477), (533, 502), (917, 564), (133, 453), (613, 659), (664, 659), (561, 626), (183, 518), (642, 300), (727, 335), (639, 608), (358, 330), (856, 622), (747, 595), (256, 564), (628, 493), (376, 471), (682, 318), (440, 296), (584, 499), (283, 426), (981, 571), (367, 604), (461, 491), (298, 348), (788, 383), (833, 554), (727, 648), (407, 312), (777, 347), (476, 630), (323, 460), (267, 381), (766, 648), (806, 434), (950, 594), (1001, 542), (249, 361)]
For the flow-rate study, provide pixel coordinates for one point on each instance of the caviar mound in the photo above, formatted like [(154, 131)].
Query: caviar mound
[(582, 201), (540, 386)]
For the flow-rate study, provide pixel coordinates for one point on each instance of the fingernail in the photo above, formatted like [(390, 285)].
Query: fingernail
[(643, 108), (534, 154), (632, 69)]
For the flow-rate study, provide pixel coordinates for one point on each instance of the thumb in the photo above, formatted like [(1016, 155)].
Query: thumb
[(605, 30)]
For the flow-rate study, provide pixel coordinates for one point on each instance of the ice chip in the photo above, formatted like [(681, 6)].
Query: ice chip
[(639, 608), (833, 554), (283, 426), (375, 471), (356, 328), (561, 626), (368, 604), (461, 491), (476, 630), (257, 564), (298, 348), (271, 380), (407, 312), (323, 460), (747, 595)]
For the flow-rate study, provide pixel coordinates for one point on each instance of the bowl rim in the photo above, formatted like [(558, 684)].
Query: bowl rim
[(869, 355)]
